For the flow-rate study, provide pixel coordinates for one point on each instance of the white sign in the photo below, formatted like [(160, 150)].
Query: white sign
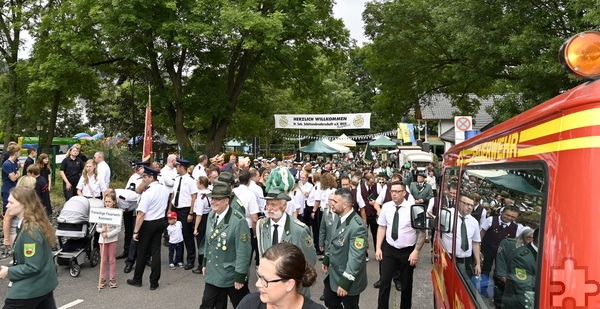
[(106, 215), (462, 124), (324, 122)]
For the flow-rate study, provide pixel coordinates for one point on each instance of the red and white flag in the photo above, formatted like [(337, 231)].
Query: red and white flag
[(147, 150)]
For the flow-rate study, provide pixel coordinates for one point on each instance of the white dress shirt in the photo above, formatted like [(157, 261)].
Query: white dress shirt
[(259, 194), (93, 188), (487, 223), (187, 189), (407, 236), (168, 175), (280, 227), (153, 201), (199, 171), (472, 233), (248, 201), (104, 173)]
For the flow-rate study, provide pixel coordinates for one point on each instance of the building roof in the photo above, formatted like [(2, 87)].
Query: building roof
[(439, 107)]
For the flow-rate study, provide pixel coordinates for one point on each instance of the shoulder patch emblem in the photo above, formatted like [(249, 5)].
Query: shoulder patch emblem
[(29, 250), (244, 237), (309, 242), (359, 243), (521, 273)]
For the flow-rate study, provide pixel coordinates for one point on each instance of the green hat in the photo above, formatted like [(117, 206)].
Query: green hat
[(226, 177), (220, 189), (277, 194)]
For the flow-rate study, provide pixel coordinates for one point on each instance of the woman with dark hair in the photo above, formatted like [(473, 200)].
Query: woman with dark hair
[(44, 164), (282, 273), (33, 272)]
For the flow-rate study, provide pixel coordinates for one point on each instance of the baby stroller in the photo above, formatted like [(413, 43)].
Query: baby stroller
[(76, 236)]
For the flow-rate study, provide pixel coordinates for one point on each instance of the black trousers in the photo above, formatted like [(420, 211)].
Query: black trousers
[(69, 193), (316, 225), (332, 300), (373, 226), (149, 239), (188, 233), (216, 297), (489, 256), (306, 215), (42, 302), (128, 223), (200, 239), (254, 244), (395, 259)]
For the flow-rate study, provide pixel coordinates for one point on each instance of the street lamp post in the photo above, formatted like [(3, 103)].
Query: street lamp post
[(39, 128)]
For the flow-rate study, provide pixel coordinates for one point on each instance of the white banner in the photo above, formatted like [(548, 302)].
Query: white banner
[(324, 122), (106, 215)]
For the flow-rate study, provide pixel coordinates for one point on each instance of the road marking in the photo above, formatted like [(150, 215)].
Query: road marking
[(71, 304)]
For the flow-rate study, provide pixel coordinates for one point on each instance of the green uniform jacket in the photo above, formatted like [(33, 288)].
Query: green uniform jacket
[(425, 192), (520, 284), (507, 245), (34, 273), (295, 232), (326, 228), (227, 249), (345, 255)]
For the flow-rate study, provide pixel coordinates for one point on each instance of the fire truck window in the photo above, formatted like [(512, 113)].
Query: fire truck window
[(501, 208), (447, 197)]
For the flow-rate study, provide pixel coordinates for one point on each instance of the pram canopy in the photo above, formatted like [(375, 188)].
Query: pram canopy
[(75, 210)]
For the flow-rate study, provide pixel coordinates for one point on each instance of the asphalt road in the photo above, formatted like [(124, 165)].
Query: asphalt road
[(183, 289)]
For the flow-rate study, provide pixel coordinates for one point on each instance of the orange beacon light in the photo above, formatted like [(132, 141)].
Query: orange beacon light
[(580, 55)]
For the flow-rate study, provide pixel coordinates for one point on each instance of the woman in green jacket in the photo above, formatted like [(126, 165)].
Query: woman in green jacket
[(33, 272)]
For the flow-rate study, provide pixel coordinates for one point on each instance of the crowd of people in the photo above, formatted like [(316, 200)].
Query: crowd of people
[(282, 216)]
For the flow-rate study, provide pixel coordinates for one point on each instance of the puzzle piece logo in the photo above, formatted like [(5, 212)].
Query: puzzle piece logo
[(576, 279)]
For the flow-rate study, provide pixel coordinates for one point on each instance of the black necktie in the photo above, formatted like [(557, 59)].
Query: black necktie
[(464, 239), (504, 225), (176, 203), (395, 224), (275, 234), (216, 221)]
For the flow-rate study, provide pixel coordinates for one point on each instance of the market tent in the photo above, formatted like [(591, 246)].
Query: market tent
[(514, 182), (383, 142), (340, 148), (344, 141), (318, 147), (486, 173)]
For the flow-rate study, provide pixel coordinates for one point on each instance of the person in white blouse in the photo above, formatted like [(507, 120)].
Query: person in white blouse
[(89, 185)]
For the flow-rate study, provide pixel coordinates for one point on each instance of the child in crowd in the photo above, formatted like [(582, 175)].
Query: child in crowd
[(108, 244), (175, 241)]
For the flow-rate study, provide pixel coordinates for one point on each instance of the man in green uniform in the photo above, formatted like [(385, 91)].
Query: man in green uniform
[(226, 253), (421, 190), (278, 226), (522, 271), (344, 260)]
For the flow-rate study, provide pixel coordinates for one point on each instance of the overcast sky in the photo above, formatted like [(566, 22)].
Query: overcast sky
[(351, 12)]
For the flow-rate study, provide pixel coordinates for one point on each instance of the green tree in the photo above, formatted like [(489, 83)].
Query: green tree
[(16, 16), (199, 56), (424, 47)]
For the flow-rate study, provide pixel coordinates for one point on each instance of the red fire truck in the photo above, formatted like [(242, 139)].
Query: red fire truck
[(543, 162)]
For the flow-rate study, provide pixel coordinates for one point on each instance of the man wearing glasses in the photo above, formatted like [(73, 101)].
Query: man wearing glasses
[(468, 239), (400, 250), (227, 251)]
